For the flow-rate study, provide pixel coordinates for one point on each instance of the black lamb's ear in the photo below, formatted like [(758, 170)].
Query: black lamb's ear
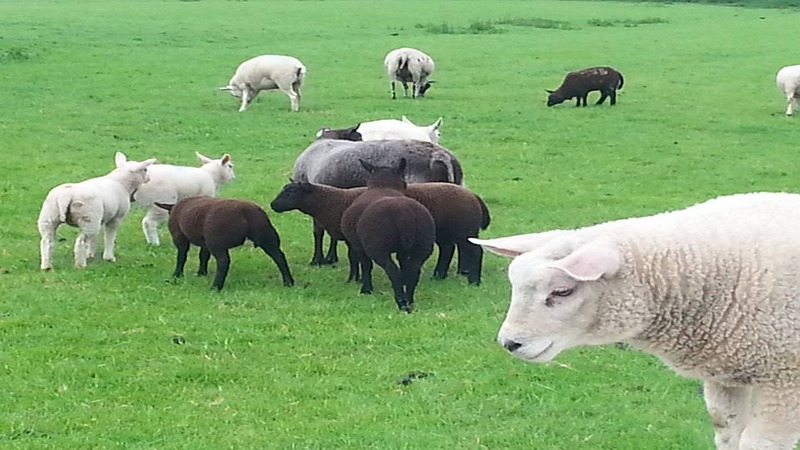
[(549, 91)]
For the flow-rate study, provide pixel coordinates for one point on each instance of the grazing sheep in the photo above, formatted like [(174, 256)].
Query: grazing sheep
[(383, 221), (169, 184), (713, 290), (788, 80), (408, 65), (457, 213), (267, 72), (578, 85), (385, 129), (219, 224), (89, 205)]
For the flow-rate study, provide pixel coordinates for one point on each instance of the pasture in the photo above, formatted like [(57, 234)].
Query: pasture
[(119, 355)]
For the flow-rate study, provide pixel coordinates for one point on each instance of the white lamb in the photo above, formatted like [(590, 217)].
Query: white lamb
[(264, 73), (168, 184), (713, 290), (788, 81), (409, 65), (385, 129), (88, 205)]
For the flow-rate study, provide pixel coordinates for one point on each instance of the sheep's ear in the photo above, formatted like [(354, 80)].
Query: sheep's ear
[(147, 163), (226, 88), (406, 120), (436, 124), (226, 158), (590, 261), (203, 159), (401, 168), (120, 159), (518, 244), (549, 91)]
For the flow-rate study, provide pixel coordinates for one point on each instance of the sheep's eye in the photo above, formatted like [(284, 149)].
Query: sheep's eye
[(549, 301)]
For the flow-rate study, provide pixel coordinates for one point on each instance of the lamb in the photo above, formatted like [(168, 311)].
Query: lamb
[(385, 129), (409, 65), (578, 85), (713, 290), (267, 72), (169, 184), (383, 221), (788, 81), (217, 225), (457, 214), (89, 205)]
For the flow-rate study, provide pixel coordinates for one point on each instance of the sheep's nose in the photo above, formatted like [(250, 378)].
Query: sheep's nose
[(511, 346)]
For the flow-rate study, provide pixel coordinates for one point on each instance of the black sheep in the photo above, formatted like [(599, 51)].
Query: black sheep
[(218, 224), (383, 221), (578, 84)]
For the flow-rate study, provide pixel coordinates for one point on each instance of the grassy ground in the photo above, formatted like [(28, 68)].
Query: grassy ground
[(119, 356)]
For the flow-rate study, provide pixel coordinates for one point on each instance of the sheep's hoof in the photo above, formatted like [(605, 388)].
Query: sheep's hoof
[(288, 283), (407, 308), (366, 291)]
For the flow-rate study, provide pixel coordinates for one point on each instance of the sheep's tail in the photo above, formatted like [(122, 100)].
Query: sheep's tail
[(621, 81), (166, 206), (259, 228), (63, 202), (485, 217), (300, 73), (442, 163), (400, 62)]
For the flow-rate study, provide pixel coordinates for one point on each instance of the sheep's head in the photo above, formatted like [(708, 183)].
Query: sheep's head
[(422, 88), (346, 134), (554, 97), (234, 90), (134, 173), (291, 196), (560, 293), (386, 177), (221, 169)]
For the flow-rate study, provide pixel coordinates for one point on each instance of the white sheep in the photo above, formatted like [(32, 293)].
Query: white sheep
[(713, 290), (788, 81), (385, 129), (264, 73), (169, 184), (89, 205), (409, 65)]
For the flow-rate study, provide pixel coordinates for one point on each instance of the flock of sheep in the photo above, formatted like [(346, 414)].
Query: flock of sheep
[(713, 290)]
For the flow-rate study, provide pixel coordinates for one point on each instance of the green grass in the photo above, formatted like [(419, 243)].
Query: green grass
[(89, 358)]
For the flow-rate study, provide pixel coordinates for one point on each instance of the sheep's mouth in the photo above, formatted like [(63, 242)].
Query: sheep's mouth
[(535, 357)]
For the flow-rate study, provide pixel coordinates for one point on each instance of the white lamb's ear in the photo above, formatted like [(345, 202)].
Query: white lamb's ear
[(147, 163), (436, 124), (406, 120), (590, 261), (203, 159), (225, 159), (516, 245), (120, 159)]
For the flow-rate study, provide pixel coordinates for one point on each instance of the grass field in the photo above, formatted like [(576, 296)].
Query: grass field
[(89, 359)]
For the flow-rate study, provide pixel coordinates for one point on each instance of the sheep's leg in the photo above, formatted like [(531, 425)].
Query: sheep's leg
[(473, 261), (729, 410), (205, 255), (603, 96), (394, 95), (89, 229), (47, 244), (789, 104), (110, 236), (277, 255), (319, 233), (405, 88), (613, 95), (413, 89), (182, 244), (223, 263), (411, 270), (352, 258), (245, 100), (332, 255), (152, 220), (775, 421), (446, 249), (396, 278), (366, 274), (295, 99)]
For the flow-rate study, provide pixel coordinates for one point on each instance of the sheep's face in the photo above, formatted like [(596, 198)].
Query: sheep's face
[(423, 88), (557, 299), (290, 197), (136, 172), (227, 169), (554, 98)]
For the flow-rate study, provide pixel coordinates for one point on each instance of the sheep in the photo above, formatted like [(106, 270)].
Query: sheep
[(168, 184), (89, 205), (383, 221), (409, 65), (267, 72), (457, 214), (713, 290), (385, 129), (578, 84), (217, 225), (335, 163), (788, 81)]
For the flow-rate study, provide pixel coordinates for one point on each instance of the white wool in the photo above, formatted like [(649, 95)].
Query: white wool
[(267, 72), (788, 81), (399, 129), (713, 290), (89, 205), (168, 184), (409, 65)]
